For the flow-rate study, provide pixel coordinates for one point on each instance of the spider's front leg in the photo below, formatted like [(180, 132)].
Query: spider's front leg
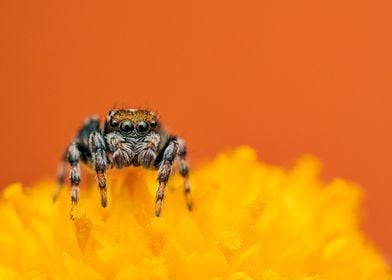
[(164, 172), (100, 163)]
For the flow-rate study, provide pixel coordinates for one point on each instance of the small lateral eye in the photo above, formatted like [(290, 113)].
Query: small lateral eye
[(153, 124), (114, 123), (126, 126), (142, 127)]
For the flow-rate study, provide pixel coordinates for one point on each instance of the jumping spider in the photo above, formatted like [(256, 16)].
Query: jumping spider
[(130, 137)]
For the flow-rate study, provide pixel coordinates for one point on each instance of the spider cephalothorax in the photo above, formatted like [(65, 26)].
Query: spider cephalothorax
[(130, 137)]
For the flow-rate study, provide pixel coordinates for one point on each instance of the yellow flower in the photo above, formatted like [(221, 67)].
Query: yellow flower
[(250, 221)]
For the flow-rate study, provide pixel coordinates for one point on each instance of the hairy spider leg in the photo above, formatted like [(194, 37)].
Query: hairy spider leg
[(100, 163), (77, 151), (164, 172), (184, 171), (74, 174)]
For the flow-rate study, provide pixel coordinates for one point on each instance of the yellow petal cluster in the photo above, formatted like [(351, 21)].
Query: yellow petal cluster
[(250, 221)]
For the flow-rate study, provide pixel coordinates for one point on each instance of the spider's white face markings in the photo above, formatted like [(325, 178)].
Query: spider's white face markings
[(127, 150)]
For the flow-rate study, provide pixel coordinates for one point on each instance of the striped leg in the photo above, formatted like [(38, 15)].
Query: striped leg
[(100, 164), (164, 172), (74, 175), (184, 171)]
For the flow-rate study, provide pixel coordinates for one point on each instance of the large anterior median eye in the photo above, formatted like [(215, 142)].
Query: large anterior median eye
[(126, 126), (142, 128)]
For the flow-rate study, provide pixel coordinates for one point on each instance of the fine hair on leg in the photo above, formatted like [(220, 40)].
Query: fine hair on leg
[(99, 160), (164, 172), (184, 171), (74, 175)]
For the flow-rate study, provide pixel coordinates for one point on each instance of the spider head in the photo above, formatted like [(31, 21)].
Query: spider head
[(135, 123)]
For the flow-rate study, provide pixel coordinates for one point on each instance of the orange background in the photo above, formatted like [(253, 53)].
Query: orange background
[(287, 77)]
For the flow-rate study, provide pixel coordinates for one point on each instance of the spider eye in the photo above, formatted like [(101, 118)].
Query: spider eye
[(126, 126), (142, 127), (114, 123), (153, 124)]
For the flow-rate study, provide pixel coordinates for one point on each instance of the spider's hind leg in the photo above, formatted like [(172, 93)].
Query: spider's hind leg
[(74, 174), (184, 172), (77, 151)]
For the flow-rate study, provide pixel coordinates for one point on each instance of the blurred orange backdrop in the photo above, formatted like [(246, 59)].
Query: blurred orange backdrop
[(286, 77)]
